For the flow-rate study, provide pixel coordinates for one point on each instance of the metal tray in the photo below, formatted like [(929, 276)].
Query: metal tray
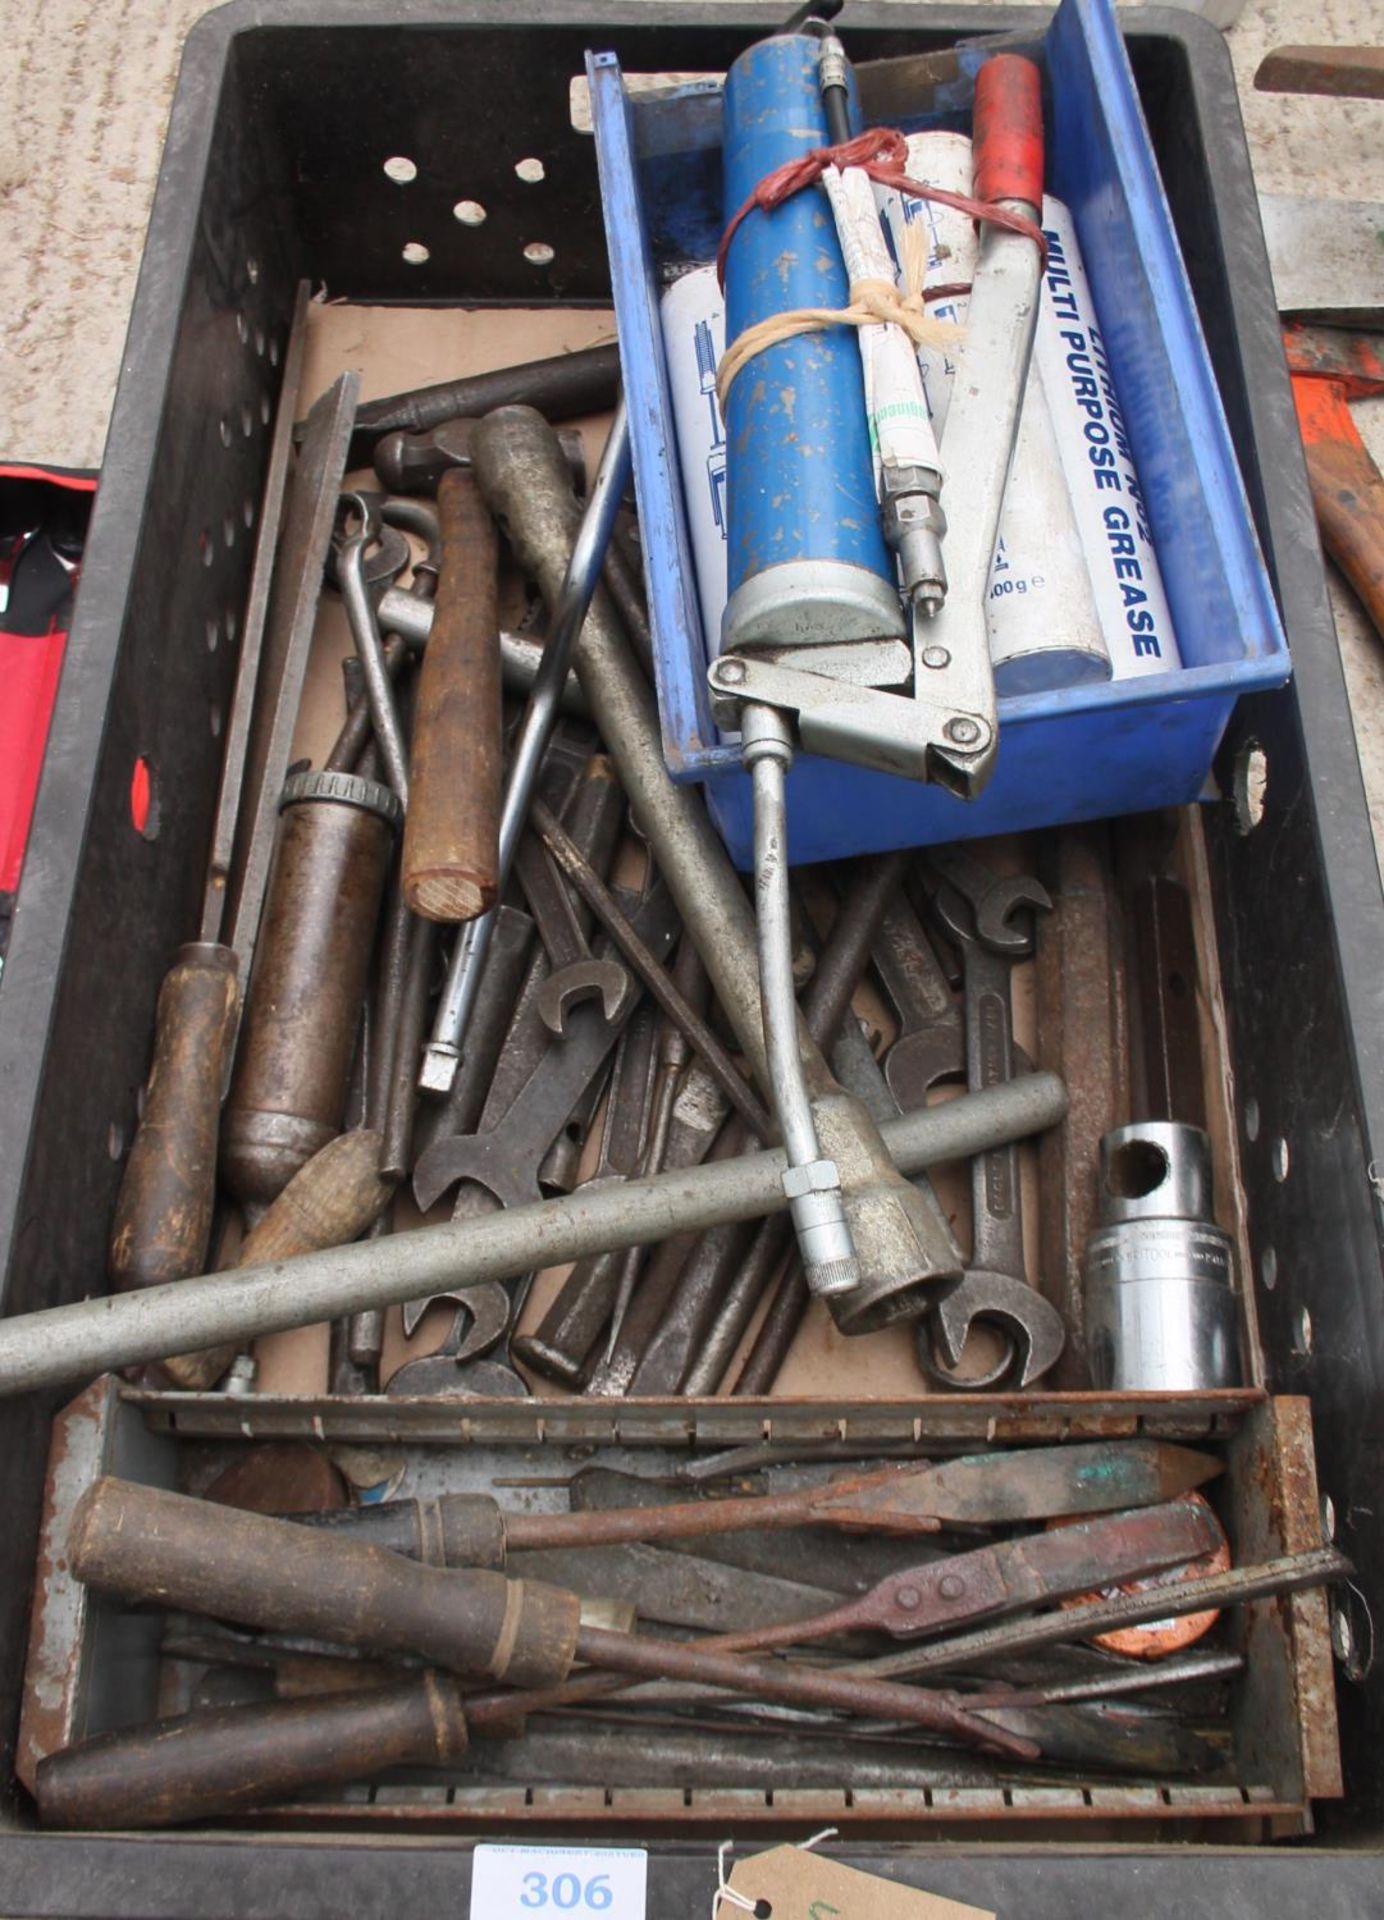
[(94, 1666)]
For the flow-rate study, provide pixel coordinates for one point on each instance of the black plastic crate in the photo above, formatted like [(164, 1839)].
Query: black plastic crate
[(272, 172)]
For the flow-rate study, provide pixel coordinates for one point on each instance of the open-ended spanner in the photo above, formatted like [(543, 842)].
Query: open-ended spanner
[(559, 1346), (577, 974), (595, 809), (481, 1322), (931, 1044), (506, 1031), (505, 1158), (440, 1376), (457, 1368), (661, 983), (993, 1289), (596, 1294), (1000, 903)]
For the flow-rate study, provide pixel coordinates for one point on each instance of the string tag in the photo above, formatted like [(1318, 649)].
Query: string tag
[(793, 1883)]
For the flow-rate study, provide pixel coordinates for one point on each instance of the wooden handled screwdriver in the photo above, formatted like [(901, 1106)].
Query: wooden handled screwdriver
[(163, 1213), (201, 1765), (141, 1544), (451, 861), (229, 1761), (328, 1203), (979, 1490)]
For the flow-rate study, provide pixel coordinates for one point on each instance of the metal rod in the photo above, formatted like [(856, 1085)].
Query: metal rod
[(563, 386), (1114, 1685), (797, 1685), (271, 513), (583, 572), (411, 1019), (404, 614), (357, 728), (811, 1182), (59, 1344)]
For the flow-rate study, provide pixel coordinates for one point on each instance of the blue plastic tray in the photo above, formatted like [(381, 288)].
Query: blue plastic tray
[(1078, 754)]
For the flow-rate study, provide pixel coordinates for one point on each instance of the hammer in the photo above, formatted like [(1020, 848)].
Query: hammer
[(1327, 262)]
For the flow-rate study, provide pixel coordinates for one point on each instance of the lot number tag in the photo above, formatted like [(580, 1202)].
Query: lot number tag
[(544, 1883)]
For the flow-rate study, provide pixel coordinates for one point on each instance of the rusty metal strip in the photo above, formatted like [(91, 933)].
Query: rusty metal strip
[(980, 1419)]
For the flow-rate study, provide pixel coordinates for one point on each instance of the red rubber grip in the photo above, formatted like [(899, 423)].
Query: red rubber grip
[(1007, 130)]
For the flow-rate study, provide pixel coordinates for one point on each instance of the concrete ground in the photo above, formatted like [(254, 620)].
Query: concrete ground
[(84, 96)]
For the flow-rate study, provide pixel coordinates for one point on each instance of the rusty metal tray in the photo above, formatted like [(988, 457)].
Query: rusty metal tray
[(93, 1666)]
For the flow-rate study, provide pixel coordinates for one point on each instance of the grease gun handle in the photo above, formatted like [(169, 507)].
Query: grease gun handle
[(1007, 131)]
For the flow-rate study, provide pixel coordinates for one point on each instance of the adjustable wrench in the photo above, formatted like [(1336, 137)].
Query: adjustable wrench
[(994, 1287)]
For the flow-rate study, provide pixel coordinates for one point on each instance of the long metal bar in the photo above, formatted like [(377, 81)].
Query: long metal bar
[(1189, 1671), (233, 766), (458, 1000), (92, 1336), (563, 386), (779, 1680)]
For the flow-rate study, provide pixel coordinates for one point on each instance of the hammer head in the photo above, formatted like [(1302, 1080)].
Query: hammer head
[(1354, 361), (1327, 259)]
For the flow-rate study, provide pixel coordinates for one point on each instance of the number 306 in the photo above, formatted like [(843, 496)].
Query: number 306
[(566, 1892)]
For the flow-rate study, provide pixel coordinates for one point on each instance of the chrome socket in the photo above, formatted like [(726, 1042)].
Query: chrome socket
[(1159, 1273)]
